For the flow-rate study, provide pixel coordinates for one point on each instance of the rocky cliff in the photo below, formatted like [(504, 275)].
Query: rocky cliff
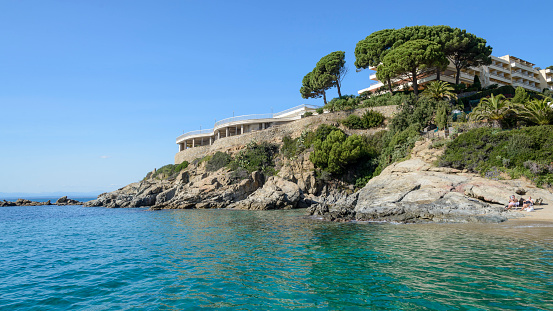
[(196, 187), (410, 191)]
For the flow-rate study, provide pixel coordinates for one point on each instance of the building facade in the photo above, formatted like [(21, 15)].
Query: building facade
[(239, 125), (504, 70)]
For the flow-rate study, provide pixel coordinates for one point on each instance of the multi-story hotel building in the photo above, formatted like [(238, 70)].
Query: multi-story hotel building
[(504, 70)]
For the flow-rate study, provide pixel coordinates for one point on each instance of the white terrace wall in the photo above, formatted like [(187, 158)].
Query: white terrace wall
[(274, 134)]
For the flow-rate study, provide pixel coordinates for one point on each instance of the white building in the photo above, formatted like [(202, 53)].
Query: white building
[(504, 70), (239, 125)]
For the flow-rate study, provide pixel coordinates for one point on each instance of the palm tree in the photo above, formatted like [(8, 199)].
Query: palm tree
[(439, 90), (538, 111), (494, 109)]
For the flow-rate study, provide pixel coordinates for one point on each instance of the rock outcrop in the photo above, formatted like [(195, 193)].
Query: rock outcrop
[(277, 193), (416, 191), (22, 202)]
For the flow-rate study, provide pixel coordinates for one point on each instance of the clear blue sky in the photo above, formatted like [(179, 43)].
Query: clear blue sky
[(94, 93)]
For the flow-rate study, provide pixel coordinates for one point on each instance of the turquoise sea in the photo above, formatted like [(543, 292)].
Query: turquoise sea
[(76, 258)]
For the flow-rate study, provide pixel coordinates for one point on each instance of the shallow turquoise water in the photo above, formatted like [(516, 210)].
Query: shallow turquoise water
[(59, 258)]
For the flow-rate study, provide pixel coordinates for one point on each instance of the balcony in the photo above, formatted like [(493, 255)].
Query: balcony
[(373, 77), (526, 86), (549, 80), (519, 65), (499, 67), (548, 71), (500, 77)]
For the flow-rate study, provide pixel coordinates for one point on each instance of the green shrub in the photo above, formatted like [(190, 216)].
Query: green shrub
[(523, 152), (307, 114), (167, 171), (337, 151), (386, 100), (372, 119), (323, 130), (319, 110), (368, 120), (415, 111), (289, 147), (217, 161), (353, 122), (441, 117), (345, 102), (305, 140), (256, 157), (397, 146)]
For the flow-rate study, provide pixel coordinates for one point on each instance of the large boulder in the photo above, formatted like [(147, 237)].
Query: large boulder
[(277, 193), (415, 191)]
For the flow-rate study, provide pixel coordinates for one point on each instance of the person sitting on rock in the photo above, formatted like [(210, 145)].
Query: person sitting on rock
[(512, 202), (528, 203)]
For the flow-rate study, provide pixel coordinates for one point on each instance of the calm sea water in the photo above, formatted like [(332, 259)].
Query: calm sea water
[(60, 258)]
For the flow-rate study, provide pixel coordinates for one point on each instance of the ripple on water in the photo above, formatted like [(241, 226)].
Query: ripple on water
[(94, 258)]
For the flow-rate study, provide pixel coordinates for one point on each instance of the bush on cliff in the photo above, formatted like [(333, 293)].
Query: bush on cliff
[(291, 148), (419, 111), (337, 151), (344, 102), (167, 171), (524, 152), (369, 120), (256, 157), (218, 160), (385, 100), (396, 146)]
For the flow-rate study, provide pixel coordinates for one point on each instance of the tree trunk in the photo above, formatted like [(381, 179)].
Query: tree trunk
[(458, 75), (390, 86), (324, 96), (415, 83), (438, 74), (338, 86)]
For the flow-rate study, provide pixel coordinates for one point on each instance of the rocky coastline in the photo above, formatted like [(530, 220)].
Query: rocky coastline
[(23, 202), (411, 191)]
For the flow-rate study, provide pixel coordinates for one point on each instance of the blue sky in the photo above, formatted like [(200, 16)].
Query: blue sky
[(94, 93)]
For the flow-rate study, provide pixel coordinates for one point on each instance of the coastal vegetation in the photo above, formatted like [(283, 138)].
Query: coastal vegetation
[(524, 152), (167, 171), (256, 157), (368, 120)]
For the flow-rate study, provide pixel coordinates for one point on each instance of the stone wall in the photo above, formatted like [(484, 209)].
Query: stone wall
[(275, 134)]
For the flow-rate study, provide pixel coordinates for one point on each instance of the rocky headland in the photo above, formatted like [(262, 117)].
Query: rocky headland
[(410, 191), (23, 202)]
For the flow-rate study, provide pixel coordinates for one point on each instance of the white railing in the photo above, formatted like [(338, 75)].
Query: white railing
[(276, 115), (242, 118), (209, 132), (194, 133)]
